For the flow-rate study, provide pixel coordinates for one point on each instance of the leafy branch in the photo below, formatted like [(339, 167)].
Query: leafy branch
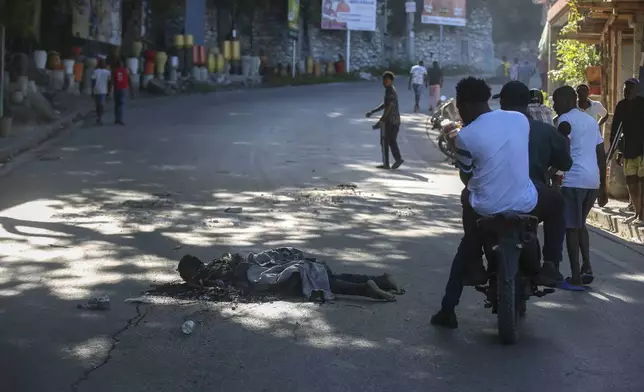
[(574, 57)]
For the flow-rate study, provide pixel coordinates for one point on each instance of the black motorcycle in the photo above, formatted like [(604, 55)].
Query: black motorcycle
[(514, 261)]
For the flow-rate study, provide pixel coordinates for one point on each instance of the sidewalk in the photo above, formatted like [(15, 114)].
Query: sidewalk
[(24, 137), (611, 219)]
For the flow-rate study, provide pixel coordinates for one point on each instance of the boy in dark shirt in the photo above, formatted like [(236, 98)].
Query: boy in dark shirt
[(389, 123)]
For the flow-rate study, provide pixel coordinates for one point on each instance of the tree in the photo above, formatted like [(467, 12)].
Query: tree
[(574, 57)]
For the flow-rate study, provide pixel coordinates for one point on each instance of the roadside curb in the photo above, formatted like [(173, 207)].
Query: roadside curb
[(42, 135), (605, 220)]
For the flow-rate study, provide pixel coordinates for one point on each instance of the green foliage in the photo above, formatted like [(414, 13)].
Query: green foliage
[(574, 56)]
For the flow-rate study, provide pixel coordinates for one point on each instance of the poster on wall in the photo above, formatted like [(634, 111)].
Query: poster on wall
[(349, 15), (293, 18), (444, 12), (97, 20)]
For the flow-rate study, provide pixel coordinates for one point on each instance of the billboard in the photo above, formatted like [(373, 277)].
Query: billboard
[(349, 15), (293, 18), (444, 12)]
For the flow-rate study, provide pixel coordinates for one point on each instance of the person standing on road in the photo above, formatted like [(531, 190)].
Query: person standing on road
[(100, 89), (435, 83), (506, 69), (629, 114), (525, 73), (418, 80), (584, 183), (514, 70), (122, 85), (389, 123), (593, 108)]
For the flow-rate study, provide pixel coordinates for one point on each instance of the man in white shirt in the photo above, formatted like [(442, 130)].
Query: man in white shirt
[(417, 80), (100, 88), (593, 108), (492, 153), (584, 183)]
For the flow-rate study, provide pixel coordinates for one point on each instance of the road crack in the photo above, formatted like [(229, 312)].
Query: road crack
[(131, 322)]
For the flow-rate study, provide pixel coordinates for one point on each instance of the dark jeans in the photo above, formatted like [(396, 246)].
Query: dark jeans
[(99, 100), (549, 210), (389, 140), (119, 104)]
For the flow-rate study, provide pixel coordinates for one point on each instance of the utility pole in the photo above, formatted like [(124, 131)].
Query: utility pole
[(410, 9)]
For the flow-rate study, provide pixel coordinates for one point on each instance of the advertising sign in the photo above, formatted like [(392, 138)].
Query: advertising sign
[(444, 12), (349, 15), (293, 18)]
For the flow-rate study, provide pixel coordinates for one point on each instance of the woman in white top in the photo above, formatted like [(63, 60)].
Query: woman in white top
[(593, 108)]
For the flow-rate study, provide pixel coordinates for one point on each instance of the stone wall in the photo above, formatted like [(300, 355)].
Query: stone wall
[(470, 46)]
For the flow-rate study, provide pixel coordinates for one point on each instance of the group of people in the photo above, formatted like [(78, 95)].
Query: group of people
[(421, 78), (506, 159), (107, 82), (517, 71)]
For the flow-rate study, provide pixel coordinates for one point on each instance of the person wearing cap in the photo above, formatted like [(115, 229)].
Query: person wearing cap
[(594, 109), (389, 123), (538, 110), (492, 155), (629, 114), (584, 183)]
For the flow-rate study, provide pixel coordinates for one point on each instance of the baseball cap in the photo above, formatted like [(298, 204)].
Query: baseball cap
[(632, 80), (514, 93)]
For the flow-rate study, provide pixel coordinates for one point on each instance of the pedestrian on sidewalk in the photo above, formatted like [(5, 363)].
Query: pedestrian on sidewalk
[(584, 183), (418, 80), (595, 109), (389, 123), (629, 114), (100, 89), (435, 83), (122, 85)]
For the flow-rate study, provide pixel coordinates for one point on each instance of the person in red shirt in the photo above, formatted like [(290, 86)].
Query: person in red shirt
[(121, 83)]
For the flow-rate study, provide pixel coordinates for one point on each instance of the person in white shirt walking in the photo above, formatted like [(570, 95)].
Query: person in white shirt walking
[(584, 183), (100, 88), (593, 108), (418, 80)]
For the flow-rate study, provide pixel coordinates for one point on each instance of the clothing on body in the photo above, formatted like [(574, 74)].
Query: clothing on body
[(584, 138), (494, 149)]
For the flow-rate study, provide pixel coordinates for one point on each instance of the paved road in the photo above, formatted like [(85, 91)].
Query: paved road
[(75, 222)]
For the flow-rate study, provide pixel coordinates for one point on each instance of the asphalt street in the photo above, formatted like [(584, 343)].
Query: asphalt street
[(111, 210)]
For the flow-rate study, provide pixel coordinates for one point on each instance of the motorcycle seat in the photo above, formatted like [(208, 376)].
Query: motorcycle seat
[(506, 220)]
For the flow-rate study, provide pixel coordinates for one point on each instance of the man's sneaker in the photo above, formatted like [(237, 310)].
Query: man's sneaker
[(549, 275), (445, 318), (383, 167), (397, 164)]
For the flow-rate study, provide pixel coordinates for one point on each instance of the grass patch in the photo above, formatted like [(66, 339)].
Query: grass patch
[(305, 80)]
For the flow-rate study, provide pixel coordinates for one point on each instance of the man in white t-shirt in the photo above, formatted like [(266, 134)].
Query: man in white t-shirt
[(594, 109), (492, 153), (100, 88), (417, 80), (584, 183)]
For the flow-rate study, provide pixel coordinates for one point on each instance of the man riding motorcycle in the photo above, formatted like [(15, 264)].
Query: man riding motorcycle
[(493, 160)]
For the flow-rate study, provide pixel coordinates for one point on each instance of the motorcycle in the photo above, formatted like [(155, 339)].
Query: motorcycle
[(514, 261), (447, 120)]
